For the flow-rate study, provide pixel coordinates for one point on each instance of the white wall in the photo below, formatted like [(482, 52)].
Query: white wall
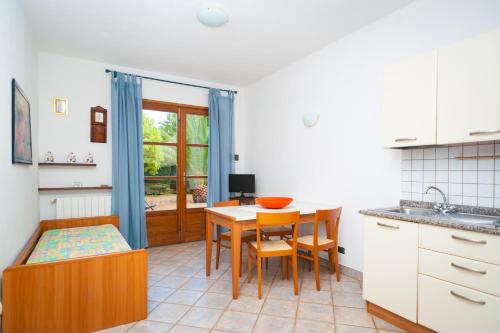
[(341, 161), (85, 84), (18, 183)]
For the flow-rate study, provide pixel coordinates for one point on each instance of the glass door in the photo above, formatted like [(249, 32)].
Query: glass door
[(175, 171)]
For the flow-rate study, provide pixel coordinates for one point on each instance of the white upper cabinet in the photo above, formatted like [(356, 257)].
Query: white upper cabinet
[(409, 102), (469, 90)]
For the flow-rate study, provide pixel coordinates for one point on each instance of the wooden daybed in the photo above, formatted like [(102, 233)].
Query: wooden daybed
[(77, 295)]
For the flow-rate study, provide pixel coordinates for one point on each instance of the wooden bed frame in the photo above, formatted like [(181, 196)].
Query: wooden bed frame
[(77, 295)]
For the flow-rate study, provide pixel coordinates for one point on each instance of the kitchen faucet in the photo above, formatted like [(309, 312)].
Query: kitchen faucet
[(445, 207)]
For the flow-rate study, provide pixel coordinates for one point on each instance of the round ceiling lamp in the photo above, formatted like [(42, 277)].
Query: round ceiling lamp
[(212, 16)]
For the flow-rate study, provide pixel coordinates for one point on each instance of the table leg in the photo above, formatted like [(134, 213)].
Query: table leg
[(209, 236), (235, 256)]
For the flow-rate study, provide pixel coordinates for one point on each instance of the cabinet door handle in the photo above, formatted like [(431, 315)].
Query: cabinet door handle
[(468, 269), (405, 139), (388, 225), (493, 131), (467, 298), (475, 241)]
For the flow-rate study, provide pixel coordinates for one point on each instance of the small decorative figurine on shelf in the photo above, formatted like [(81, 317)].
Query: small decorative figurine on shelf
[(89, 159), (71, 158), (49, 158)]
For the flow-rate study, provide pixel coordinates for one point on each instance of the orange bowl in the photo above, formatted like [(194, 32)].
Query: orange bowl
[(273, 202)]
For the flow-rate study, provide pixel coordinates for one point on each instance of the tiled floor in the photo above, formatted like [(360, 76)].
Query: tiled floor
[(183, 299)]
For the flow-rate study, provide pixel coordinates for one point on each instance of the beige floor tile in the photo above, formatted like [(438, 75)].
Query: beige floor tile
[(186, 297), (276, 307), (152, 305), (198, 284), (343, 278), (352, 316), (188, 329), (251, 289), (201, 317), (222, 287), (352, 300), (383, 325), (117, 329), (311, 284), (168, 313), (214, 301), (147, 326), (345, 286), (353, 329), (159, 294), (286, 294), (310, 326), (153, 278), (172, 281), (186, 271), (161, 269), (246, 304), (238, 322), (314, 296), (313, 311), (269, 324)]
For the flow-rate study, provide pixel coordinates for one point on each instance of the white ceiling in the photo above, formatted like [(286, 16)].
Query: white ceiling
[(164, 35)]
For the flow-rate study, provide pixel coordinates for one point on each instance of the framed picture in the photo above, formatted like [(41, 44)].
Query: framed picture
[(98, 124), (61, 106), (21, 126)]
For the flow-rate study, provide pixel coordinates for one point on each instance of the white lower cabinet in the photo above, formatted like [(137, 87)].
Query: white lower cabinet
[(390, 267), (449, 308)]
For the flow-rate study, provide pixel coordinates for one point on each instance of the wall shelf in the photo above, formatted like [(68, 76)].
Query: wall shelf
[(83, 188), (68, 164)]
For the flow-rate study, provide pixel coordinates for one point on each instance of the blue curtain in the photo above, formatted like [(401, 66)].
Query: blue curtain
[(220, 145), (128, 161)]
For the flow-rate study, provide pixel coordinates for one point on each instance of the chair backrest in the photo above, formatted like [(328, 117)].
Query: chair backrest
[(331, 217), (227, 203), (278, 219)]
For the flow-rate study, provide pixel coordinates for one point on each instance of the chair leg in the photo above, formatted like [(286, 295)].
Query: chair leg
[(249, 267), (218, 248), (259, 276), (336, 257), (316, 270), (330, 260), (267, 264), (295, 274), (309, 261)]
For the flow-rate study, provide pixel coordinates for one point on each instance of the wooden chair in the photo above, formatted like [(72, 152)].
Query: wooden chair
[(274, 248), (314, 243), (246, 235)]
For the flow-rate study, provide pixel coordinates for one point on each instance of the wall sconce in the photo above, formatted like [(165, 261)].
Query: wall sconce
[(310, 119)]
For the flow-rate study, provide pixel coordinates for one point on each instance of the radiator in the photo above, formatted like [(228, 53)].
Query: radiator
[(83, 206)]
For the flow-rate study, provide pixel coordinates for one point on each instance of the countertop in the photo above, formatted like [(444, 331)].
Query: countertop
[(439, 220)]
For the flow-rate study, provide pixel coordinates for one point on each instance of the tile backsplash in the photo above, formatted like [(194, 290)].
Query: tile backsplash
[(472, 181)]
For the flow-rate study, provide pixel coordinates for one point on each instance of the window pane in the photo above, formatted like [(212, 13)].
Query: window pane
[(197, 161), (160, 160), (196, 193), (196, 129), (160, 194), (159, 126)]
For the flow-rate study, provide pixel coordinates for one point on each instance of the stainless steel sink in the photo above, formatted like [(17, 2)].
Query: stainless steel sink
[(476, 219), (413, 211)]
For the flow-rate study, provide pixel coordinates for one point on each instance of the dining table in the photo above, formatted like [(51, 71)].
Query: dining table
[(240, 218)]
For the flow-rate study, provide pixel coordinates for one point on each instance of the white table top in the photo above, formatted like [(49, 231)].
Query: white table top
[(243, 213)]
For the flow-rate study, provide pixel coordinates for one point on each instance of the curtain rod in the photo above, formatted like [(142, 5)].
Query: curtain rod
[(174, 82)]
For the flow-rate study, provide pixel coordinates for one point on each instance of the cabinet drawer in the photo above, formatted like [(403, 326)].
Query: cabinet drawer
[(446, 307), (467, 244), (469, 273)]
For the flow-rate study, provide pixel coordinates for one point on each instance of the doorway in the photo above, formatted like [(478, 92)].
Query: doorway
[(175, 138)]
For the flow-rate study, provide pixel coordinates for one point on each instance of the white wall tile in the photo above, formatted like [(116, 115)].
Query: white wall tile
[(429, 164), (417, 176), (455, 177), (443, 187), (485, 165), (442, 177), (497, 191), (486, 150), (417, 153), (429, 176), (417, 164), (455, 189), (406, 154), (406, 187), (455, 151), (469, 201), (429, 197), (441, 164), (497, 149), (470, 164), (485, 191), (470, 150), (497, 177), (416, 196), (454, 164), (406, 165), (497, 163), (442, 152), (406, 176), (485, 202), (485, 177), (470, 190), (406, 195), (429, 153), (469, 177), (497, 202), (455, 199), (417, 187)]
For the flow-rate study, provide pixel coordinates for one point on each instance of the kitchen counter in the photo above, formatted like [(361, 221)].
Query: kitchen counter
[(440, 220)]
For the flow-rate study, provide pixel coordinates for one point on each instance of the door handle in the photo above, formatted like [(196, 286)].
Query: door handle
[(468, 269), (405, 139), (387, 225), (465, 298), (492, 131), (475, 241)]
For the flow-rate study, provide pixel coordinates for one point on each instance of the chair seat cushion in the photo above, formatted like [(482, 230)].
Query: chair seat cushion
[(244, 233), (273, 245), (309, 240), (283, 230)]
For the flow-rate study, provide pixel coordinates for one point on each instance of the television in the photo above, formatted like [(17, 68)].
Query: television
[(242, 183)]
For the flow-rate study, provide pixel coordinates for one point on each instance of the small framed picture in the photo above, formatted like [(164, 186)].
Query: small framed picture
[(61, 106), (21, 126)]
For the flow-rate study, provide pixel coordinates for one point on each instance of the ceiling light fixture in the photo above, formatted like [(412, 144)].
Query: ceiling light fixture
[(212, 16)]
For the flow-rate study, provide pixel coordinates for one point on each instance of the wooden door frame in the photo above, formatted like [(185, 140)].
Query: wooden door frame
[(181, 111)]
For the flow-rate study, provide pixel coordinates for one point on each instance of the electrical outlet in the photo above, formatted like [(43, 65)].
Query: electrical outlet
[(341, 250), (236, 157)]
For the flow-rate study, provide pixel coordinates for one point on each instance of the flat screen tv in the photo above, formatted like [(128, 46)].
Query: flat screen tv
[(242, 183)]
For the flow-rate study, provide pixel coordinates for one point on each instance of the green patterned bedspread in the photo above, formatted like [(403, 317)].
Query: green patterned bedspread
[(60, 244)]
